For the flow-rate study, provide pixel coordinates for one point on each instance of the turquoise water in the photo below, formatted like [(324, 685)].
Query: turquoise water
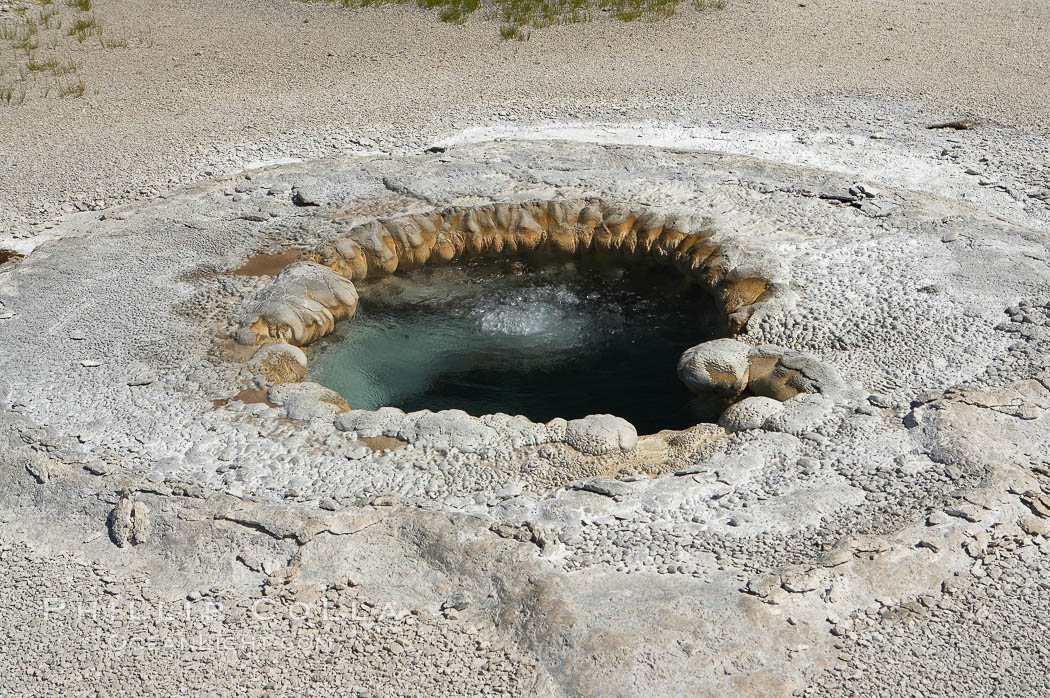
[(541, 339)]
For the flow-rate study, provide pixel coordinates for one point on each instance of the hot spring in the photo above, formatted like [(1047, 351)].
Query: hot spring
[(539, 338)]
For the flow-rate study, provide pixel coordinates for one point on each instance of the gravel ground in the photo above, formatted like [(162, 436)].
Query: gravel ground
[(210, 87), (206, 89), (108, 634), (983, 633)]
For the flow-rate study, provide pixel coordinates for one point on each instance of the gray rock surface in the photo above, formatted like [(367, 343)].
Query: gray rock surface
[(306, 401), (848, 542), (129, 522)]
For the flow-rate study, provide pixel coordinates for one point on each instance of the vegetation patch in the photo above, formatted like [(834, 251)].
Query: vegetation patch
[(72, 89), (85, 27), (37, 40), (518, 17)]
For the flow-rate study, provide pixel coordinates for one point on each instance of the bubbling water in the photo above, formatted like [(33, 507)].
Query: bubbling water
[(540, 339), (543, 312)]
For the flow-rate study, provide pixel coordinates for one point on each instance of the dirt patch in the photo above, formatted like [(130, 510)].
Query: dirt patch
[(382, 443), (264, 264), (10, 256), (230, 350), (248, 396), (365, 209)]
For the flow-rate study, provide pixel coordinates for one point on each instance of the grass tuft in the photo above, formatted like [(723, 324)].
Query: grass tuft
[(27, 44), (122, 42), (454, 11), (33, 65), (510, 31), (46, 17), (51, 65), (60, 69), (518, 16), (8, 95), (85, 27), (72, 89), (27, 28)]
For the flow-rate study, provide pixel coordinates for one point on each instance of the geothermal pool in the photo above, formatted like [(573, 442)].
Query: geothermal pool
[(539, 338)]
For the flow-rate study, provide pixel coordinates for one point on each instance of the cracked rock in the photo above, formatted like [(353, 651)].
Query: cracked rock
[(129, 522)]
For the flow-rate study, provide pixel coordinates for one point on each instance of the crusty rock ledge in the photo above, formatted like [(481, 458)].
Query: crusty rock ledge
[(309, 296)]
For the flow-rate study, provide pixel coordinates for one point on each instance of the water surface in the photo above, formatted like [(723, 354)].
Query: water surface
[(543, 339)]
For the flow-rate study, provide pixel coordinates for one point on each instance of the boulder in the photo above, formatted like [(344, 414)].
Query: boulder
[(449, 429), (597, 434), (301, 305), (718, 367), (279, 362), (749, 413)]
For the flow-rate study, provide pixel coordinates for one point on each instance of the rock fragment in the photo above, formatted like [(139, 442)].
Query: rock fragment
[(129, 522)]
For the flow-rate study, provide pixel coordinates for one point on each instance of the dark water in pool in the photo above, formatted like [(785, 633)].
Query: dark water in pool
[(541, 339)]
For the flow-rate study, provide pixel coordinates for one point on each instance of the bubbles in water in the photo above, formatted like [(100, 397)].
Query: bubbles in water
[(556, 340), (536, 311)]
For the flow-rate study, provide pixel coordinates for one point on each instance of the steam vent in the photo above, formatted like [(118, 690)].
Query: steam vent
[(532, 417)]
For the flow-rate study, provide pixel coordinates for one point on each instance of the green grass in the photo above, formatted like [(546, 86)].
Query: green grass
[(46, 17), (8, 95), (510, 31), (52, 66), (27, 44), (44, 73), (85, 27), (72, 89), (455, 11), (24, 69), (518, 16), (113, 42), (21, 36), (35, 66)]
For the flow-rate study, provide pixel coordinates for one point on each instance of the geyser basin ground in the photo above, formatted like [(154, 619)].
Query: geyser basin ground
[(748, 566), (542, 338)]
